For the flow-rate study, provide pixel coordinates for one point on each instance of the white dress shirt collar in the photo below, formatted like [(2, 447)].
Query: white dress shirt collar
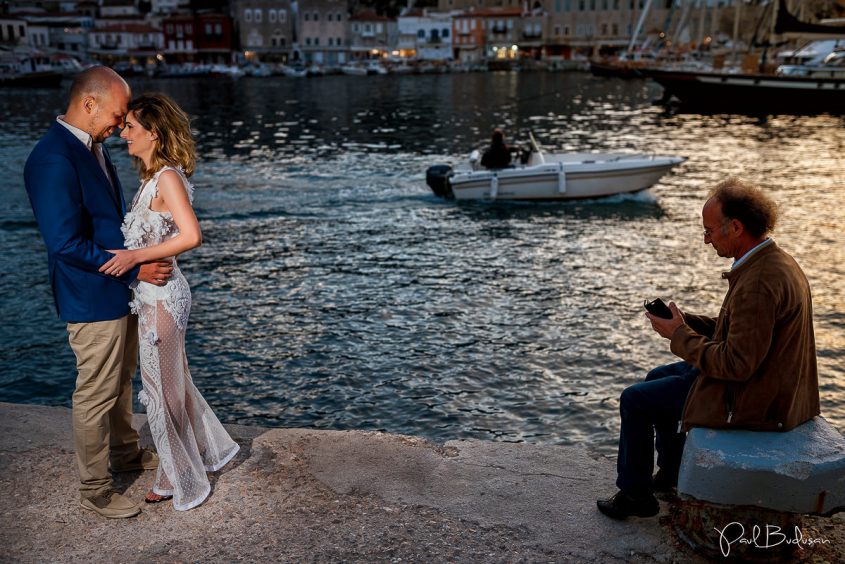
[(83, 136), (745, 257)]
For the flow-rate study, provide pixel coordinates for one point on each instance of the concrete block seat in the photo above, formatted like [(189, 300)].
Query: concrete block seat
[(744, 493), (799, 471)]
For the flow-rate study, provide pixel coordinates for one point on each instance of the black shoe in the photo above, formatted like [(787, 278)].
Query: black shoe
[(622, 506), (664, 481)]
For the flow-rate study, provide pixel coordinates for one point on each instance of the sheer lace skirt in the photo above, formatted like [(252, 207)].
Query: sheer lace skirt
[(188, 436)]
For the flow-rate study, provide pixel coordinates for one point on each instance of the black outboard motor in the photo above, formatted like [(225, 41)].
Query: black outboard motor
[(437, 178)]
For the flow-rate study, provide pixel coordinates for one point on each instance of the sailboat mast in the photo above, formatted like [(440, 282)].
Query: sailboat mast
[(639, 27), (737, 16)]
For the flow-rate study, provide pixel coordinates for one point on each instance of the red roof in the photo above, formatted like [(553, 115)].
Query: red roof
[(126, 17), (369, 16), (127, 28), (492, 13)]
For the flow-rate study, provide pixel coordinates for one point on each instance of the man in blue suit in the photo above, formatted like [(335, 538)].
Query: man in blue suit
[(78, 204)]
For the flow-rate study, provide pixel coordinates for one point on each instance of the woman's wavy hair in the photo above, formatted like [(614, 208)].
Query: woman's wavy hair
[(175, 145), (748, 204)]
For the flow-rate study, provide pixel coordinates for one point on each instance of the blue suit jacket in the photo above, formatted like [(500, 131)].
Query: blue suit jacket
[(79, 216)]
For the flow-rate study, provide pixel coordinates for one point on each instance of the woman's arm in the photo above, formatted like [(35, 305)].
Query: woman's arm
[(173, 197)]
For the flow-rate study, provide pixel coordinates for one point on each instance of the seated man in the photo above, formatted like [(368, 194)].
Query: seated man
[(752, 367), (499, 154)]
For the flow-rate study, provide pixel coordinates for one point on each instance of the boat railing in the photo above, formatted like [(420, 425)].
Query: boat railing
[(632, 156)]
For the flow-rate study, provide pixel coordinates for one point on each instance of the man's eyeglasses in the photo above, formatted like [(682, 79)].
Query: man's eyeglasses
[(709, 232)]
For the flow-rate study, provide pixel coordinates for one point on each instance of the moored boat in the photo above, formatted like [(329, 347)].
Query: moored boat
[(752, 93), (354, 69), (28, 68), (810, 87)]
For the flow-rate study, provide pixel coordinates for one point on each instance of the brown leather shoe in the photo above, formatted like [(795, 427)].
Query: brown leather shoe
[(111, 505), (144, 460)]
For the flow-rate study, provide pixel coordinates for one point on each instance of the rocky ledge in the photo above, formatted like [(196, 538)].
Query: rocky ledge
[(306, 495)]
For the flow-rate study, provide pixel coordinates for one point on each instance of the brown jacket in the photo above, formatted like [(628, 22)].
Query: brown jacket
[(758, 358)]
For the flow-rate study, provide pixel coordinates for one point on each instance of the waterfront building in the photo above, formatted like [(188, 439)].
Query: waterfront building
[(37, 35), (502, 28), (372, 36), (468, 37), (265, 29), (136, 43), (65, 32), (425, 35), (561, 29), (488, 35), (165, 7), (120, 16), (13, 31), (322, 31), (112, 8), (179, 38), (532, 34), (205, 37)]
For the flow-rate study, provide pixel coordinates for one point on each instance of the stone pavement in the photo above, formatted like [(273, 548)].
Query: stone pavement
[(298, 495)]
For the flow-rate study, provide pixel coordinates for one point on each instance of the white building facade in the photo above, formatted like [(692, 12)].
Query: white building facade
[(426, 36)]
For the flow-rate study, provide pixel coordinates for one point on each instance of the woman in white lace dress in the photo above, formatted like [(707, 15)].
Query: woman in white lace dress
[(161, 223)]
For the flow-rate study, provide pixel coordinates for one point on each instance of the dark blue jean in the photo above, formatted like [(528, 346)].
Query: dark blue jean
[(651, 407)]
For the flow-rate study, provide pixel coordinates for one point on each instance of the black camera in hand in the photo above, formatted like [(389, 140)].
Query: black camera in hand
[(658, 308)]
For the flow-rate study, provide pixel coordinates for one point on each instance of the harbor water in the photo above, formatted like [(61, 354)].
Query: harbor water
[(335, 291)]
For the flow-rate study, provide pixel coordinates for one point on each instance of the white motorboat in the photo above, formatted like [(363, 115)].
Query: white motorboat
[(551, 176), (297, 71), (354, 70)]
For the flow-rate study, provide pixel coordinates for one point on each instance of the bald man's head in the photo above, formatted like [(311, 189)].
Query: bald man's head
[(96, 81), (98, 100)]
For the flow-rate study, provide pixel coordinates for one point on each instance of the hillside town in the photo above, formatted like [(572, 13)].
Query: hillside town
[(314, 36)]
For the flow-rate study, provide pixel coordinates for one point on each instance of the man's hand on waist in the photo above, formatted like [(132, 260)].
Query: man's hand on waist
[(157, 272)]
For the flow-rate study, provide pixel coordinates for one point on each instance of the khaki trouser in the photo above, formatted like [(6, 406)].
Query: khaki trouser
[(106, 359)]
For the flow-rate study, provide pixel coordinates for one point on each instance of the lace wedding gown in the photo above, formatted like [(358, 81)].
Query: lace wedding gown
[(189, 438)]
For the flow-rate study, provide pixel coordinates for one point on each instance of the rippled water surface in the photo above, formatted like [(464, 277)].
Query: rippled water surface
[(335, 291)]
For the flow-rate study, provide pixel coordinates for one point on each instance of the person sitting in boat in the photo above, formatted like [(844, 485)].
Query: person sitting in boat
[(499, 154)]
